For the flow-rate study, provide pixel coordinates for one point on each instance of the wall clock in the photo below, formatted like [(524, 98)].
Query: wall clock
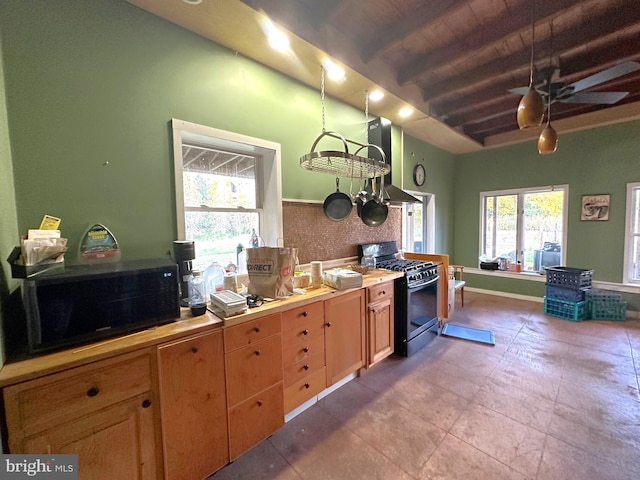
[(419, 175)]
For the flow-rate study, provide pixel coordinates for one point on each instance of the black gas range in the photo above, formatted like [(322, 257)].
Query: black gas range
[(416, 296)]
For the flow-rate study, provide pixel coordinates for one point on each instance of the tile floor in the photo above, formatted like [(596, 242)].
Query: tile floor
[(552, 400)]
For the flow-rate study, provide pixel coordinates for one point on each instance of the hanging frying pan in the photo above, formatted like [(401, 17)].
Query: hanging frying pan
[(337, 206), (374, 212)]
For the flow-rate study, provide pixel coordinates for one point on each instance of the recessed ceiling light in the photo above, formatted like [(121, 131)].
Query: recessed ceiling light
[(334, 72), (278, 40), (405, 111), (192, 2), (376, 95)]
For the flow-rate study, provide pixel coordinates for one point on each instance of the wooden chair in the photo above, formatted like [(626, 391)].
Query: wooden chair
[(458, 279)]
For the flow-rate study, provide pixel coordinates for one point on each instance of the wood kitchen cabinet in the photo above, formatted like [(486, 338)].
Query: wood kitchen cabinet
[(104, 412), (380, 325), (193, 406), (254, 379), (344, 318), (303, 354)]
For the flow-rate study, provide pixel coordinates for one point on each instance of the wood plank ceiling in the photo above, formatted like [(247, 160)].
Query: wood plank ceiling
[(455, 61)]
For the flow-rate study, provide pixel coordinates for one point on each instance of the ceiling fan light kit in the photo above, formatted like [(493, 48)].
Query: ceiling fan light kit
[(548, 140), (530, 110)]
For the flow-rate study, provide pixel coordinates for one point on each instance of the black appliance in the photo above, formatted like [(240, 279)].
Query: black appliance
[(415, 296), (184, 251), (85, 303)]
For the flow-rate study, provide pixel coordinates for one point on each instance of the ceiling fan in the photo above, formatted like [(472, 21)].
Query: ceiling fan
[(574, 92)]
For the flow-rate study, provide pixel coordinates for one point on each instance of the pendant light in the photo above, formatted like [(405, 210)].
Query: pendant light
[(531, 108), (548, 139)]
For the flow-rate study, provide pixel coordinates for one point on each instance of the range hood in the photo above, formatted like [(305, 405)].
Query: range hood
[(380, 135)]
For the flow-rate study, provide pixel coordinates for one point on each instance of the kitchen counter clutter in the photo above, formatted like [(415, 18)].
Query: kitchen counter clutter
[(139, 402)]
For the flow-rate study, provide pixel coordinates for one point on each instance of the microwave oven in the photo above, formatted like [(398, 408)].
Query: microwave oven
[(85, 303)]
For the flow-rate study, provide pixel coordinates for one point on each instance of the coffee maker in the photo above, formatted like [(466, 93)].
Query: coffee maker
[(184, 252)]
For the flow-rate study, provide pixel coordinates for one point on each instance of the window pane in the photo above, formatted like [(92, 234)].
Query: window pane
[(634, 271), (501, 227), (218, 191), (418, 242), (542, 226), (217, 234)]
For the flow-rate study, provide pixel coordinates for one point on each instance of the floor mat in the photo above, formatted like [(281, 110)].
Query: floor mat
[(468, 333)]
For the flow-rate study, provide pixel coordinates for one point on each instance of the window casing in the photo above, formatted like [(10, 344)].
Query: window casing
[(631, 269), (227, 186), (525, 225)]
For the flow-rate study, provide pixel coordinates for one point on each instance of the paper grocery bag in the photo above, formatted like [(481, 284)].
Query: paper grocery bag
[(271, 271)]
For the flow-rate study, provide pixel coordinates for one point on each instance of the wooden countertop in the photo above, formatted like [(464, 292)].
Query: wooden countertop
[(20, 370)]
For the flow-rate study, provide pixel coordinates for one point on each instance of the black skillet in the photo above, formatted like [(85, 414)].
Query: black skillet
[(337, 206), (374, 212)]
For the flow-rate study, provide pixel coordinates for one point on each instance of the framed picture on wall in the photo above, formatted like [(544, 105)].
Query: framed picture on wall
[(595, 207)]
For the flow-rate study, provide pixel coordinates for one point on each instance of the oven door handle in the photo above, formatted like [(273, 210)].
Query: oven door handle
[(425, 284)]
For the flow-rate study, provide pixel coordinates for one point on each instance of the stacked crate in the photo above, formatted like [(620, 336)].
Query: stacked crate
[(566, 291), (606, 305)]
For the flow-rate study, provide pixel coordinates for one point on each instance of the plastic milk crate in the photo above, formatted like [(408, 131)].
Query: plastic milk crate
[(569, 277), (566, 294), (606, 305), (574, 311)]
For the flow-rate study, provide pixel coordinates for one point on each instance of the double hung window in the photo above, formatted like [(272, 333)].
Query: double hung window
[(227, 192), (525, 225), (632, 235)]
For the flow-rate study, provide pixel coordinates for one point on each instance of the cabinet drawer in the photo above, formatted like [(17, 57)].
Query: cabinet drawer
[(379, 292), (296, 371), (299, 328), (43, 403), (253, 368), (304, 389), (299, 351), (292, 318), (250, 332), (255, 419)]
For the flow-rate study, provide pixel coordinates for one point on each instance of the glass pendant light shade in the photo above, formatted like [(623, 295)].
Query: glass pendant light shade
[(548, 140), (530, 110)]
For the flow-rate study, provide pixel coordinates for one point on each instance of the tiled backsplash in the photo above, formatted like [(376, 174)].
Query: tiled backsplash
[(318, 238)]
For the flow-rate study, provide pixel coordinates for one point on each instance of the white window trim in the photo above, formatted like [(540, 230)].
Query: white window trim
[(628, 234), (271, 229), (516, 191), (430, 223)]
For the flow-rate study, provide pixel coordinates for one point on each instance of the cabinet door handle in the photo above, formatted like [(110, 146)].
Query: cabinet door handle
[(304, 314), (257, 352), (256, 329), (305, 349), (146, 403), (305, 332), (306, 367), (328, 324), (383, 292), (93, 391), (306, 385), (194, 349), (259, 402)]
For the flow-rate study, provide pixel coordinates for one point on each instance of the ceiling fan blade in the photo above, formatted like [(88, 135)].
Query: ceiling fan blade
[(608, 98), (519, 91), (604, 76)]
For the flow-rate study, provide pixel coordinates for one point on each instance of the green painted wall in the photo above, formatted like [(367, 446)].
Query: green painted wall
[(440, 168), (8, 217), (98, 81), (602, 160)]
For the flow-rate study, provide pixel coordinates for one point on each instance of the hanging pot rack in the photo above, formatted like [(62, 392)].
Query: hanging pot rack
[(342, 163)]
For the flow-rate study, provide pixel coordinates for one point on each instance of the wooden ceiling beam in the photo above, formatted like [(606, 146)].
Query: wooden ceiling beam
[(482, 37), (415, 20), (571, 69)]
